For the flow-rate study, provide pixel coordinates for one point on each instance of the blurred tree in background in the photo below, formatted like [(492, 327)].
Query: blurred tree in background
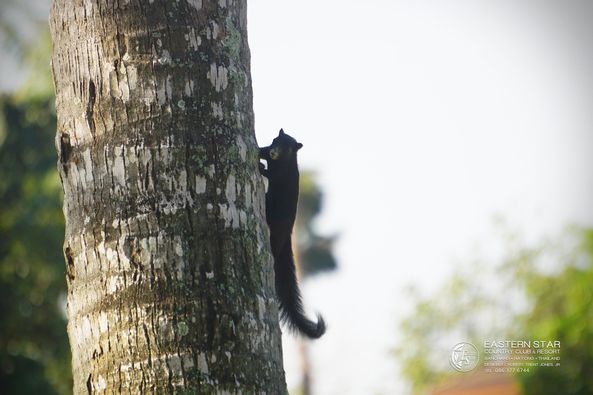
[(34, 351), (314, 255), (24, 36), (546, 294), (315, 251), (562, 309)]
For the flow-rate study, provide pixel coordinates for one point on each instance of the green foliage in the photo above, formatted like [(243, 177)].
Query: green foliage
[(25, 44), (38, 86), (537, 293), (34, 352), (563, 310), (462, 310), (315, 251)]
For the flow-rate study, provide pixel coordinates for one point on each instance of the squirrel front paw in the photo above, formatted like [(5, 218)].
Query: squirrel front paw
[(262, 169)]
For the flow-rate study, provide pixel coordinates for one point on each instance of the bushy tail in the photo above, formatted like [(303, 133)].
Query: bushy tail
[(291, 306)]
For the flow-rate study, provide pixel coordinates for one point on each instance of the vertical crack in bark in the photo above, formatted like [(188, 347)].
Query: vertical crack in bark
[(147, 174), (148, 347), (89, 384), (65, 151), (70, 269), (90, 108), (210, 324)]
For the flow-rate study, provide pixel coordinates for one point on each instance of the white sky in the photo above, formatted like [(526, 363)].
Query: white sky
[(423, 119)]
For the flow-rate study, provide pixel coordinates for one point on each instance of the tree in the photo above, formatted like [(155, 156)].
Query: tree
[(314, 250), (168, 266), (562, 311), (34, 352)]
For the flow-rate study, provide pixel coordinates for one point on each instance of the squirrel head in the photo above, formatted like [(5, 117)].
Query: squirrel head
[(283, 148)]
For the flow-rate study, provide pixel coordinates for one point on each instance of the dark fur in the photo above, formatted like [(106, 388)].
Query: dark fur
[(281, 206)]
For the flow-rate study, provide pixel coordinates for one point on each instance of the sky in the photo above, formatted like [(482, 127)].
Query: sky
[(424, 121)]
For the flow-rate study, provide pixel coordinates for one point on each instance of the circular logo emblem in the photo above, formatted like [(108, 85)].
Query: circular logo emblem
[(464, 357)]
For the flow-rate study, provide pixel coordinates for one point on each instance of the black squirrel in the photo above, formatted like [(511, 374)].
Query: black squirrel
[(282, 173)]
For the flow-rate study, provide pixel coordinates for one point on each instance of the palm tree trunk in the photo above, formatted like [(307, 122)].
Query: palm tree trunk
[(170, 284)]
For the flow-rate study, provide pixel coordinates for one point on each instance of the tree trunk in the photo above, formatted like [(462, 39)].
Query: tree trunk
[(170, 283)]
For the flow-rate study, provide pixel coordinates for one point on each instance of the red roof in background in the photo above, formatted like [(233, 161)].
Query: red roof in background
[(479, 383)]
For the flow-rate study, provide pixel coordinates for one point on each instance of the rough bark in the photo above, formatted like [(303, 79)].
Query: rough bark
[(170, 284)]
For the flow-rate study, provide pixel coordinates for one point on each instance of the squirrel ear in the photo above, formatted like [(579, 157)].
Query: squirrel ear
[(281, 132), (299, 146)]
